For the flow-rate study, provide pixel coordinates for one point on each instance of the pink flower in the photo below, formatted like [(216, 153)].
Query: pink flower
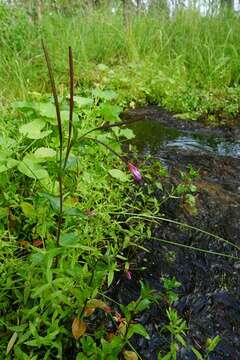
[(128, 274), (136, 173)]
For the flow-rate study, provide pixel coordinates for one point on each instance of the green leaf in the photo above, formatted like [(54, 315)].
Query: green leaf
[(3, 212), (31, 168), (212, 343), (69, 239), (181, 339), (33, 129), (54, 200), (46, 110), (72, 162), (197, 353), (27, 209), (119, 175), (65, 116), (110, 112), (45, 153), (83, 101), (73, 211), (4, 155), (6, 164), (73, 240), (19, 354), (104, 94), (143, 304), (23, 105), (127, 133), (110, 277), (37, 258), (11, 342), (11, 163), (137, 329)]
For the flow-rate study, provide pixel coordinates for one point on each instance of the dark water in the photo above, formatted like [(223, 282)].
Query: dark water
[(152, 137)]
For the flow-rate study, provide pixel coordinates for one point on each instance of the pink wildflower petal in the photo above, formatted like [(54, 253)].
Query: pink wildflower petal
[(128, 275), (134, 170)]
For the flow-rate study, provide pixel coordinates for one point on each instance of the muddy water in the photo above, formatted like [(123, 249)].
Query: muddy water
[(209, 298)]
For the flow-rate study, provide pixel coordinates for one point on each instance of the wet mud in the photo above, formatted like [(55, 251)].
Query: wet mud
[(209, 296)]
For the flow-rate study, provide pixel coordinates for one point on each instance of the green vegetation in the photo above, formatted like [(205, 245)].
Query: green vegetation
[(188, 63), (66, 185)]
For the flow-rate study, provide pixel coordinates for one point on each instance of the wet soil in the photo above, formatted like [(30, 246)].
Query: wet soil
[(209, 297)]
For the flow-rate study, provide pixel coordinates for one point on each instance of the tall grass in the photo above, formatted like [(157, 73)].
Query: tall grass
[(187, 52)]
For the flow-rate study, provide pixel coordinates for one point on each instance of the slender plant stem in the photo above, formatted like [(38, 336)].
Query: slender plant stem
[(90, 284), (60, 136), (105, 126), (109, 148), (71, 104), (189, 247), (152, 217)]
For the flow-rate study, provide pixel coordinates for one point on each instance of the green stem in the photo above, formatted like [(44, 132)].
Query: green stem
[(146, 216), (122, 158), (101, 127)]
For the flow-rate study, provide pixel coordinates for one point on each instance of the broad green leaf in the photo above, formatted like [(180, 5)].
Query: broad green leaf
[(27, 209), (73, 240), (127, 133), (143, 304), (65, 116), (82, 101), (32, 168), (110, 112), (104, 94), (54, 200), (11, 163), (7, 142), (3, 168), (73, 211), (46, 110), (4, 155), (33, 129), (72, 162), (44, 152), (23, 105), (119, 175), (6, 164), (137, 329), (69, 239)]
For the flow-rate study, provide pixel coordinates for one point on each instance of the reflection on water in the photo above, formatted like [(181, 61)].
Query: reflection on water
[(152, 137)]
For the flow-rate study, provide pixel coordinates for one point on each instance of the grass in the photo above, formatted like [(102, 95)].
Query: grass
[(188, 63)]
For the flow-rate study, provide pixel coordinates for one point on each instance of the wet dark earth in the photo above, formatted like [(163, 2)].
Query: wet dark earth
[(209, 296)]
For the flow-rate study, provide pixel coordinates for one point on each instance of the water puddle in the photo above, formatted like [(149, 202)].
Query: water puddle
[(153, 137)]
